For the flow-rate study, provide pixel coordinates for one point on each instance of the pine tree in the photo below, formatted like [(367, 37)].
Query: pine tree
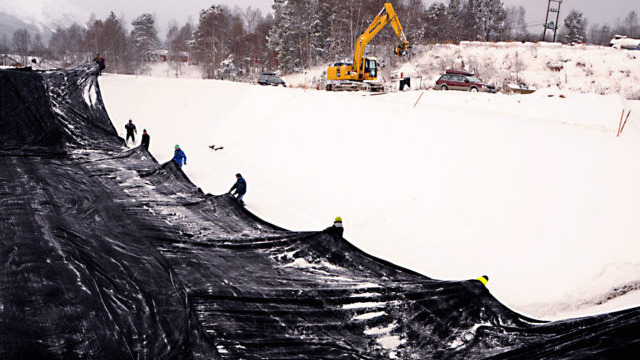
[(288, 52), (143, 38), (574, 27), (276, 32), (110, 40), (455, 13), (209, 44), (318, 34), (471, 29), (437, 23), (412, 16)]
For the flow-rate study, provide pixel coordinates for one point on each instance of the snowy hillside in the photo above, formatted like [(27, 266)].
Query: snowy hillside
[(42, 16), (533, 190), (585, 69)]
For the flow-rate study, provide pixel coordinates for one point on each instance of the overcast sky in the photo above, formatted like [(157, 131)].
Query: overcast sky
[(596, 11)]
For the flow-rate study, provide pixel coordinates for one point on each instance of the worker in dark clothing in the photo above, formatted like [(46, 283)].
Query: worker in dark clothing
[(179, 157), (145, 140), (337, 228), (131, 131), (240, 187), (100, 61)]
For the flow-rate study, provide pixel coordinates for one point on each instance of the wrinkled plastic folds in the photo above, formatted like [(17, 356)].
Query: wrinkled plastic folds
[(107, 254)]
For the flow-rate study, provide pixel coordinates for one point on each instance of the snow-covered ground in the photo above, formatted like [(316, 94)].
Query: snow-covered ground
[(535, 191), (581, 68)]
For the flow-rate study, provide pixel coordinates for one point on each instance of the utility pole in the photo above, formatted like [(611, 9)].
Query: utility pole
[(546, 20), (557, 18), (551, 25)]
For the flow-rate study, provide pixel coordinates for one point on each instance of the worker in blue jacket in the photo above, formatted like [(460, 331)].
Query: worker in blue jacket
[(240, 187), (179, 157)]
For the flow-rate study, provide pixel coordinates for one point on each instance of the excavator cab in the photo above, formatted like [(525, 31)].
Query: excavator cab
[(370, 68)]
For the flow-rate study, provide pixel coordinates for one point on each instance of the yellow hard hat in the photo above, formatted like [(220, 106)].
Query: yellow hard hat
[(338, 218), (483, 279)]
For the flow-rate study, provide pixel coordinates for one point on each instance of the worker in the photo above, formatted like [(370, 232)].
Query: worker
[(179, 157), (145, 140), (240, 187), (100, 61), (483, 279), (131, 131), (337, 228)]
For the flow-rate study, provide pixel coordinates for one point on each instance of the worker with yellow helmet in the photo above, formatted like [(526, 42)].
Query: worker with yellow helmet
[(337, 228)]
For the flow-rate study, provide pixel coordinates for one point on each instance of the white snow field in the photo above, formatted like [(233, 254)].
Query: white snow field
[(580, 68), (535, 191)]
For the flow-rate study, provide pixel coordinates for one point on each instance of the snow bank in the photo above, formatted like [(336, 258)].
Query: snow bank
[(581, 68)]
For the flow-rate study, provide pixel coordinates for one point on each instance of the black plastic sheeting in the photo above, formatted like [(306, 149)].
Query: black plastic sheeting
[(106, 254)]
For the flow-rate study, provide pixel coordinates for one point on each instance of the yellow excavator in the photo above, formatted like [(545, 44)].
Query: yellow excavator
[(362, 74)]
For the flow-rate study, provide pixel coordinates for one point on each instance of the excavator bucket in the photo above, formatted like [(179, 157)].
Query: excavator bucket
[(401, 50)]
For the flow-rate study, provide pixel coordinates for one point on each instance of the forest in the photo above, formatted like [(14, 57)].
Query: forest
[(298, 34)]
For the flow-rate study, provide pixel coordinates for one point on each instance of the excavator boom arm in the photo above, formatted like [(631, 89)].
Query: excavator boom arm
[(385, 16)]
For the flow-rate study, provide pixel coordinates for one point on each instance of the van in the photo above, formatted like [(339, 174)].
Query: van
[(270, 79)]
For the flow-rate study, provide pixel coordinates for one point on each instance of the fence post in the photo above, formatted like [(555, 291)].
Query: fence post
[(414, 105), (620, 125), (625, 121)]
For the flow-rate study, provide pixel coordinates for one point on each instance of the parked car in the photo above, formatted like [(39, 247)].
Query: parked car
[(271, 79), (462, 80)]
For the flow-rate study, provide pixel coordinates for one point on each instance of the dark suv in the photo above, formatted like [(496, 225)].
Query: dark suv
[(462, 80), (270, 79)]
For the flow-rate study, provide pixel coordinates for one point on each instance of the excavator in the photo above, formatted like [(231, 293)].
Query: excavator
[(362, 74)]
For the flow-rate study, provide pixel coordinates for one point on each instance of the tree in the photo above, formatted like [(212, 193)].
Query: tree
[(262, 54), (489, 18), (251, 18), (143, 38), (413, 20), (631, 22), (38, 47), (276, 32), (177, 44), (4, 45), (515, 27), (210, 44), (600, 35), (114, 42), (437, 24), (455, 12), (22, 43), (575, 27)]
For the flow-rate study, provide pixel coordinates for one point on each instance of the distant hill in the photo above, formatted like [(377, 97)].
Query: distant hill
[(9, 24), (39, 16)]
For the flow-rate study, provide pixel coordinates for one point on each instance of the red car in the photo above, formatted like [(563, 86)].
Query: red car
[(462, 80)]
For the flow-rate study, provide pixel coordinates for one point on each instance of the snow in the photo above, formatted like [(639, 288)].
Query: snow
[(367, 316), (535, 191), (620, 42), (385, 339), (173, 70), (364, 305), (585, 69), (380, 330)]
